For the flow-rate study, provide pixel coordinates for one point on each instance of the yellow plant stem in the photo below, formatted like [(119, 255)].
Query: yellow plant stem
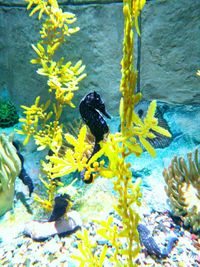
[(121, 186)]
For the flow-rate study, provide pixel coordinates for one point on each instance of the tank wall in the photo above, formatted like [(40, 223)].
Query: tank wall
[(170, 52)]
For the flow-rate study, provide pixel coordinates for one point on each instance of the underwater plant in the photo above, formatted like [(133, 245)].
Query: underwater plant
[(42, 121), (183, 189), (8, 114), (132, 139), (10, 167)]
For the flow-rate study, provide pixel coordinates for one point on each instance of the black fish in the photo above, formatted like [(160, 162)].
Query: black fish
[(90, 108), (60, 206), (26, 179)]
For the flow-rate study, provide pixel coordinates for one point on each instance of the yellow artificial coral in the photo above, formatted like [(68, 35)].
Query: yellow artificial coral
[(132, 139), (35, 115), (63, 78), (74, 158), (88, 253), (42, 121)]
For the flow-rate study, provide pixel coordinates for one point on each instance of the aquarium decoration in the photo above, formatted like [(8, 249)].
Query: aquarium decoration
[(182, 187), (23, 175), (160, 141), (150, 244), (63, 80), (117, 147), (10, 167), (41, 230), (8, 114), (42, 121), (89, 108)]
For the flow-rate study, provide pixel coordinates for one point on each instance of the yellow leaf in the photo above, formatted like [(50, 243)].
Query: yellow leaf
[(64, 171), (148, 146), (27, 139), (69, 15), (134, 253), (41, 71), (81, 77), (37, 100), (70, 139), (107, 173), (35, 10), (24, 107), (22, 120), (121, 108), (40, 14), (151, 110), (103, 255), (125, 252), (77, 66), (137, 25), (35, 61), (80, 70), (41, 48), (103, 233), (36, 50), (78, 258), (135, 148), (124, 233), (49, 115), (96, 156), (82, 134), (40, 148), (161, 130), (19, 131), (47, 104), (136, 119)]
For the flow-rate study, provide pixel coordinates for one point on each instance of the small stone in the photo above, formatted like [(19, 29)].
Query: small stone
[(180, 250), (102, 242), (198, 259), (41, 231), (27, 262), (75, 244), (50, 247)]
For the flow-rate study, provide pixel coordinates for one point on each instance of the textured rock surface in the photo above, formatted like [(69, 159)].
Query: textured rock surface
[(170, 50), (98, 43)]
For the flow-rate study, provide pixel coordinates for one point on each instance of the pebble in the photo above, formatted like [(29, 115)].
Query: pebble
[(56, 251)]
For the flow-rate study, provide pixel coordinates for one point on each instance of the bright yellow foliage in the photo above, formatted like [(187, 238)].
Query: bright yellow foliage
[(117, 147), (63, 78), (75, 158), (42, 121), (87, 256)]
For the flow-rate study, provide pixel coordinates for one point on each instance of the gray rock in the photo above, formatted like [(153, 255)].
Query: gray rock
[(170, 50), (40, 230)]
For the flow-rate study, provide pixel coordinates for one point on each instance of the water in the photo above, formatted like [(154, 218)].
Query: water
[(167, 63)]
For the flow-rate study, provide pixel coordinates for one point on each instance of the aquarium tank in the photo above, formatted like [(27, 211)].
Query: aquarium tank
[(99, 133)]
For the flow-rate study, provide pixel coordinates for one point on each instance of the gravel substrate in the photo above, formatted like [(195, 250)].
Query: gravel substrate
[(23, 251)]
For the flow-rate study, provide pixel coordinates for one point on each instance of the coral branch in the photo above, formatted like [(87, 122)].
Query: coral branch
[(10, 166), (182, 187)]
